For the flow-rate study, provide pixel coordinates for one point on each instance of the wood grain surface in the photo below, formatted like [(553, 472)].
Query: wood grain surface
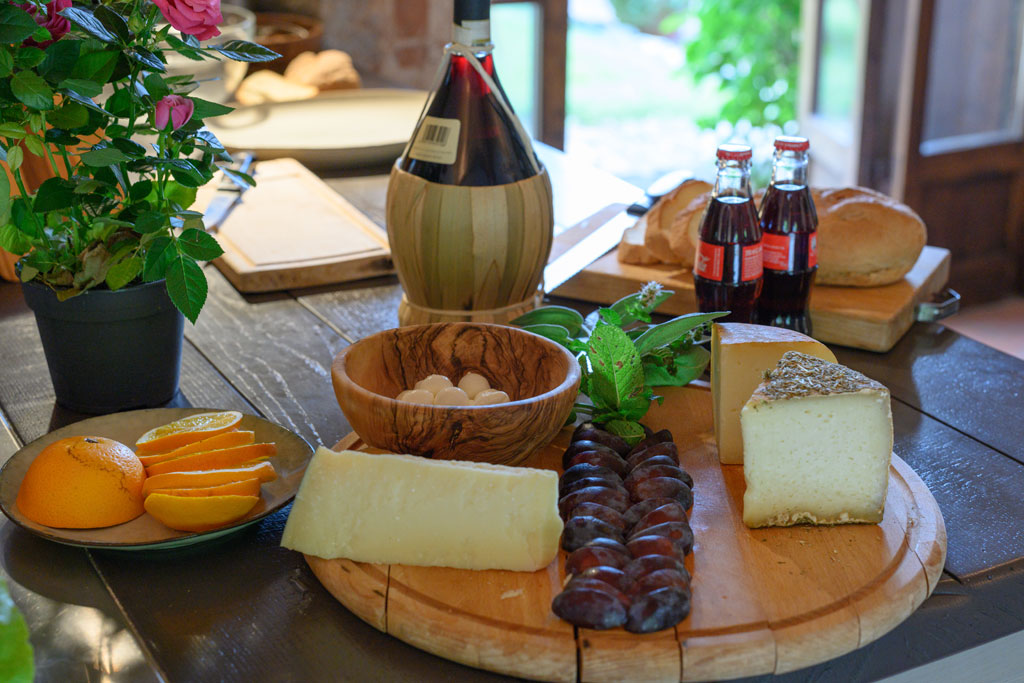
[(764, 600), (872, 318), (328, 239), (540, 377)]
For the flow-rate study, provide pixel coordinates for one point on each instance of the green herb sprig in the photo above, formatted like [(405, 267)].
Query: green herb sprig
[(623, 355)]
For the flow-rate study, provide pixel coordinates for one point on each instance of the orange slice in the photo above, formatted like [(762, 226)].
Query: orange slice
[(263, 471), (216, 459), (185, 431), (198, 513), (222, 440), (246, 487)]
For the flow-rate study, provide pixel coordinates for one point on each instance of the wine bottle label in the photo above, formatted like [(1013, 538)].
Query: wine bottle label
[(784, 252), (437, 140), (710, 262)]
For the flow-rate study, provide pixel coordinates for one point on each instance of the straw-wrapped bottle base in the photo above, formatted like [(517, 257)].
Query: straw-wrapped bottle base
[(413, 314)]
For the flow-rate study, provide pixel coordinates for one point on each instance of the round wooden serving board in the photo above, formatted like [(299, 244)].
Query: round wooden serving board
[(764, 600)]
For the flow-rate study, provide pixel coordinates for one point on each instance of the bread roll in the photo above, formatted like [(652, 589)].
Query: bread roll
[(865, 238), (683, 233), (655, 227), (268, 86), (326, 70)]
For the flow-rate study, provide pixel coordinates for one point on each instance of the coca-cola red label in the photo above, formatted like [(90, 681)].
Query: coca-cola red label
[(710, 259), (781, 251), (752, 263)]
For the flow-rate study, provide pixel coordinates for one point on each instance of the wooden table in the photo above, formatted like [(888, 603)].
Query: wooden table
[(243, 608)]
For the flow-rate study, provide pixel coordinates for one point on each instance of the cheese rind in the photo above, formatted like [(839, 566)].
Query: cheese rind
[(817, 440), (740, 355), (403, 509)]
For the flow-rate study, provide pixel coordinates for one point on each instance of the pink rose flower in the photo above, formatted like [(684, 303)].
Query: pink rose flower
[(197, 18), (174, 108), (51, 20)]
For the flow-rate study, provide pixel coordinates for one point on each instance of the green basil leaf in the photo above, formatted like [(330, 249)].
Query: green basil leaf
[(123, 272), (568, 318), (684, 368), (104, 156), (186, 285), (632, 432), (199, 244), (668, 332), (31, 90), (15, 24), (555, 333), (617, 369), (244, 51)]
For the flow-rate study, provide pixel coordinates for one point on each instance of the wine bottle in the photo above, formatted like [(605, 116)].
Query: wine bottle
[(469, 134)]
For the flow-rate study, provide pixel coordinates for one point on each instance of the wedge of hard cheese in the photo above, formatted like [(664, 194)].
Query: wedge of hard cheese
[(402, 509), (740, 355), (817, 440)]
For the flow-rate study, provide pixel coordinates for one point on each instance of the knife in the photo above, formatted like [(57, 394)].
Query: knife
[(229, 193), (594, 238)]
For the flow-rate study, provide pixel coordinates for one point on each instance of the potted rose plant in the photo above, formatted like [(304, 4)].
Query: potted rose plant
[(112, 250)]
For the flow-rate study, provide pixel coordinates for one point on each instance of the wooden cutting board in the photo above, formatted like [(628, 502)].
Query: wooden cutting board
[(872, 318), (764, 600), (292, 230)]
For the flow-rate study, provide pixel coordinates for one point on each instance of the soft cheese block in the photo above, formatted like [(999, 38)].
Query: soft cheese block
[(740, 355), (817, 440), (403, 509)]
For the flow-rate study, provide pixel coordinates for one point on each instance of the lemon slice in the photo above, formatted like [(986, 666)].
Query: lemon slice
[(186, 430)]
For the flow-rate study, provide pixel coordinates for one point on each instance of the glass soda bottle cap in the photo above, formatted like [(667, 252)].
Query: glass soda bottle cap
[(792, 143), (734, 152)]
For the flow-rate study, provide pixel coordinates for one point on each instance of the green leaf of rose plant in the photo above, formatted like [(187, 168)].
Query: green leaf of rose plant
[(15, 24), (89, 23), (186, 285), (16, 665), (31, 90), (244, 51), (123, 272), (105, 156), (199, 244)]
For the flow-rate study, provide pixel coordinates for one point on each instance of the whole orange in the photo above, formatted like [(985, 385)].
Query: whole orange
[(83, 482)]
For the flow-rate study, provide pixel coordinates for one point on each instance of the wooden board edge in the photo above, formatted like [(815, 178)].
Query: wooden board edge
[(927, 536), (361, 588), (806, 643), (728, 655), (537, 654), (652, 657), (250, 279)]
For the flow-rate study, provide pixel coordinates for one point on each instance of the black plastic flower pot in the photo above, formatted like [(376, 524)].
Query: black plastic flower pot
[(110, 351)]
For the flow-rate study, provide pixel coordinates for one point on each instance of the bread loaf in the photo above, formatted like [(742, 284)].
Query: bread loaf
[(268, 86), (865, 238), (632, 248), (658, 223)]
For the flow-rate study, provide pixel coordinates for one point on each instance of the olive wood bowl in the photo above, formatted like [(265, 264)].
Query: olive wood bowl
[(540, 377)]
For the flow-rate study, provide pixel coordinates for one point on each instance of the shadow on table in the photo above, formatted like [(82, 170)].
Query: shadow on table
[(62, 416)]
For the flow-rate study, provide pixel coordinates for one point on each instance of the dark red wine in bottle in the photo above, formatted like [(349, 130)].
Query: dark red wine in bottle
[(789, 225), (727, 273), (467, 136)]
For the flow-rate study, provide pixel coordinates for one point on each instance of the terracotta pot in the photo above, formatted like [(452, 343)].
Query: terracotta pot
[(110, 351)]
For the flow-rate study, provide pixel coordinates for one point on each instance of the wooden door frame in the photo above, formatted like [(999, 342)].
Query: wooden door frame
[(912, 170), (550, 88)]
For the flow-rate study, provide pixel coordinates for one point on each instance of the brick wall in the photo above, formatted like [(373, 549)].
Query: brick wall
[(399, 41)]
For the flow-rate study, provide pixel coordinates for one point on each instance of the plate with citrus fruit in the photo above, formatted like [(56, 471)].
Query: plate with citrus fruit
[(152, 479)]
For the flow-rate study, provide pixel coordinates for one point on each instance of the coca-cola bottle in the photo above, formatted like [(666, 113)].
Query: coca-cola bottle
[(470, 135), (727, 271), (789, 227)]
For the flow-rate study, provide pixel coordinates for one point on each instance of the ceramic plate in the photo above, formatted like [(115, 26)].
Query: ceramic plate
[(344, 128), (145, 532)]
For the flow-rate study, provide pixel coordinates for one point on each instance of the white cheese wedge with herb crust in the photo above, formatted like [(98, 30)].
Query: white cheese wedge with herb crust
[(402, 509), (740, 355), (817, 441)]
